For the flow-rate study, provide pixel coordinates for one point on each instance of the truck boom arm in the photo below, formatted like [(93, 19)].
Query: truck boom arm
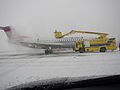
[(59, 34)]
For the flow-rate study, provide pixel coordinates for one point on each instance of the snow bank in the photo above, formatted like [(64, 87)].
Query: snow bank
[(29, 68)]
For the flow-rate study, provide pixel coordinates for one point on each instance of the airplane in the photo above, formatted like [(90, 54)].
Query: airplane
[(48, 45)]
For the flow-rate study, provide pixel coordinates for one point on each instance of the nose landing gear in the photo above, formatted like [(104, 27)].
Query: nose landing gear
[(48, 51)]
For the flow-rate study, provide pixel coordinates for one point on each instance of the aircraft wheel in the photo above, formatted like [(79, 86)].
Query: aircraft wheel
[(46, 51), (50, 51)]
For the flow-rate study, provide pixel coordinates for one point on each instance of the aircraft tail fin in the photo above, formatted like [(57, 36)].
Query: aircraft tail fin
[(11, 33), (8, 31)]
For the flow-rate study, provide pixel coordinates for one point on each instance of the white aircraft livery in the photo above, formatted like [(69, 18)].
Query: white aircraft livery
[(48, 45)]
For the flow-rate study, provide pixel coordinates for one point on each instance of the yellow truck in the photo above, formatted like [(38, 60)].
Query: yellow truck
[(98, 44), (101, 43)]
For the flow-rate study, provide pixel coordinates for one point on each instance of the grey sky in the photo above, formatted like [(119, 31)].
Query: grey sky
[(42, 17)]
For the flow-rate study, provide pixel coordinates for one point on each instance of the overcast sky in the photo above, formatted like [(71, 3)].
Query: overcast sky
[(42, 17)]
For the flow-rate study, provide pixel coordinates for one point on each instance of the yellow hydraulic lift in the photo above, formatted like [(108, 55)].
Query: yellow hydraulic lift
[(60, 35)]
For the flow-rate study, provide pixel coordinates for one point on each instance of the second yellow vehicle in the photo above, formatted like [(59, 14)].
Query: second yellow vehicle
[(101, 45)]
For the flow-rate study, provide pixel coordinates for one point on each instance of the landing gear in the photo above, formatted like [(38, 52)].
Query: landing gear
[(48, 51)]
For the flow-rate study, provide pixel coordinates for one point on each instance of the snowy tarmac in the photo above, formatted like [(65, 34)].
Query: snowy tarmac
[(23, 67)]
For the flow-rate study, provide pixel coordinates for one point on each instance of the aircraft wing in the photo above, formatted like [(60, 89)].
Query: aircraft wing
[(47, 45)]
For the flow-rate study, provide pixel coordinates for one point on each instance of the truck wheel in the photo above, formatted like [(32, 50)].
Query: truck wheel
[(76, 50), (102, 49), (81, 50)]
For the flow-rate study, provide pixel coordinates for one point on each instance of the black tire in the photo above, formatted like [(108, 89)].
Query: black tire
[(102, 49), (76, 50), (81, 50), (46, 52), (50, 51)]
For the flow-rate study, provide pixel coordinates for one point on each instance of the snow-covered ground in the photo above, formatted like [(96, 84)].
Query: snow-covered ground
[(23, 67)]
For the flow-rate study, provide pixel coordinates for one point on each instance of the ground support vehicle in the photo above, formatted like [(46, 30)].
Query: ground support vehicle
[(101, 45)]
